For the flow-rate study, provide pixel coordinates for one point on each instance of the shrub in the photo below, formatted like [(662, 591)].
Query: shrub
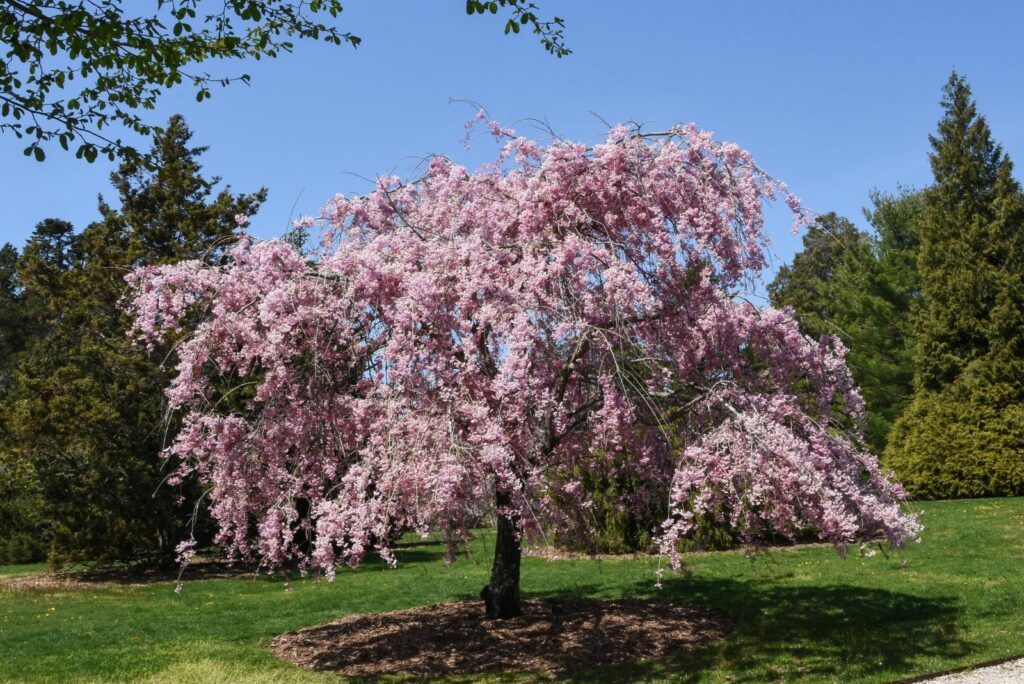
[(966, 440)]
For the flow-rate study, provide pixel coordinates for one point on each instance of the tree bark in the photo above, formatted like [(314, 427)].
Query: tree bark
[(501, 595)]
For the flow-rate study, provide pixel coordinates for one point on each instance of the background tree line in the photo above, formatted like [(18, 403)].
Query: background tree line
[(82, 411), (931, 305), (932, 308)]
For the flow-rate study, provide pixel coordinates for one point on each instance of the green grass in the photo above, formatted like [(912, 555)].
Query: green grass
[(956, 599), (12, 570)]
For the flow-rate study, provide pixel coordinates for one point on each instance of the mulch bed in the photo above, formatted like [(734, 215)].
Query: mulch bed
[(552, 636)]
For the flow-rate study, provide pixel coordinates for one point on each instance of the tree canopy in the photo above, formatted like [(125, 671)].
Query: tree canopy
[(877, 294), (76, 72)]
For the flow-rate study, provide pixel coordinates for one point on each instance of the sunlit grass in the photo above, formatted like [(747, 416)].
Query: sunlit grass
[(955, 599)]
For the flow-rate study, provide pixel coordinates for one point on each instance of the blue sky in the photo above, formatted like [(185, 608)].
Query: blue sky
[(835, 98)]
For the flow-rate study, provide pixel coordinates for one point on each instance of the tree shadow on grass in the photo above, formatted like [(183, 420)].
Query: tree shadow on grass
[(838, 632), (211, 568)]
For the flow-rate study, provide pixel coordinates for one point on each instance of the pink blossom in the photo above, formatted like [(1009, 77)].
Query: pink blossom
[(560, 314)]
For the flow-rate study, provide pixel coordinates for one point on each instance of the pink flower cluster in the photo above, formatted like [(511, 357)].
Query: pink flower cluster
[(564, 311)]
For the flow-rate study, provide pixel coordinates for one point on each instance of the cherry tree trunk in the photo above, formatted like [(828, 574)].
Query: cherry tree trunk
[(501, 595)]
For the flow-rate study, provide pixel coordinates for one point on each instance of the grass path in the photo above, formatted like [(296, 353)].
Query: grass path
[(804, 614)]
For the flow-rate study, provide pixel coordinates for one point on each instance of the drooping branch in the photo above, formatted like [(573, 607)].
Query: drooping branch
[(500, 348)]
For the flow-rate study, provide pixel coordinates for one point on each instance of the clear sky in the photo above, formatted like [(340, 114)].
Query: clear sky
[(835, 98)]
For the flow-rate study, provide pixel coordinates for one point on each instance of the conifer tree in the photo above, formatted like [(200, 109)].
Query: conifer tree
[(12, 314), (21, 523), (88, 409), (862, 288), (963, 434), (875, 290), (807, 285)]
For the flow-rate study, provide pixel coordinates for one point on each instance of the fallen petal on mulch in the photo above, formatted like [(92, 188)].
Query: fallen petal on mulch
[(552, 636)]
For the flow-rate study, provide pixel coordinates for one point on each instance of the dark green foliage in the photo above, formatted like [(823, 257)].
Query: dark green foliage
[(965, 440), (613, 529), (861, 288), (23, 537), (875, 292), (14, 318), (524, 13), (87, 412), (123, 61), (972, 248), (807, 285), (73, 69), (51, 251), (963, 435), (22, 524)]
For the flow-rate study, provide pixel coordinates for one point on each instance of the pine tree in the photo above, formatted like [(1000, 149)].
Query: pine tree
[(807, 285), (12, 314), (963, 434), (855, 286), (88, 410), (862, 288), (875, 291), (21, 520)]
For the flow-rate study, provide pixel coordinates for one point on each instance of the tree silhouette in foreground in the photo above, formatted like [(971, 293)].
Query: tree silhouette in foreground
[(75, 71)]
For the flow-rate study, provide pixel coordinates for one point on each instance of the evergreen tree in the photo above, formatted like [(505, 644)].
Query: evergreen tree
[(22, 520), (88, 410), (875, 292), (972, 231), (21, 523), (963, 435), (807, 285), (12, 314), (861, 288), (51, 251)]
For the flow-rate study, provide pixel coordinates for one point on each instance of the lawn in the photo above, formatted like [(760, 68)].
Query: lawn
[(800, 614)]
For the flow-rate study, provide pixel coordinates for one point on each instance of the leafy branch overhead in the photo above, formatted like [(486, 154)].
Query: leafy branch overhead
[(524, 14), (72, 72)]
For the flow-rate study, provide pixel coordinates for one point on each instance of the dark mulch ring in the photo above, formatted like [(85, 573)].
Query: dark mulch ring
[(552, 636)]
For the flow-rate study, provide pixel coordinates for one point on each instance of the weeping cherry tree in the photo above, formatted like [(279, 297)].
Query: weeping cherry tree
[(479, 342)]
